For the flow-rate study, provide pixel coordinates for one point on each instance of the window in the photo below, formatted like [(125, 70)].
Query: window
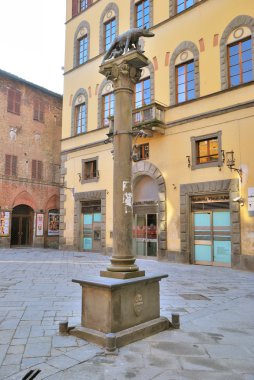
[(38, 110), (10, 165), (79, 6), (143, 14), (108, 104), (110, 32), (36, 169), (90, 170), (206, 151), (240, 62), (143, 93), (13, 102), (82, 50), (143, 151), (80, 118), (185, 82), (183, 4)]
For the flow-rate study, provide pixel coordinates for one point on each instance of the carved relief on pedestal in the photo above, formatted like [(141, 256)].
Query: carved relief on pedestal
[(138, 304)]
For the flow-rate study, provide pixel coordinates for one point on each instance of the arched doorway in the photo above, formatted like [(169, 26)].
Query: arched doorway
[(145, 214), (22, 226)]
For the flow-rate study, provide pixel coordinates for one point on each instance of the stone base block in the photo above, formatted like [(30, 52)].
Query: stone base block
[(122, 275), (124, 337)]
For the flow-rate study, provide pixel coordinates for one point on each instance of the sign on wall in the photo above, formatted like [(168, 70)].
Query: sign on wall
[(251, 199), (39, 224), (4, 223), (53, 223)]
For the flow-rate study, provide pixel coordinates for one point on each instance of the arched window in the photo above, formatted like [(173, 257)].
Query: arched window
[(109, 22), (79, 112), (184, 73), (237, 52), (144, 89), (141, 13), (106, 103), (81, 44)]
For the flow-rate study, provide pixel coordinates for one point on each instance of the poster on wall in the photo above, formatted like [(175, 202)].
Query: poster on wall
[(39, 224), (4, 223), (53, 223)]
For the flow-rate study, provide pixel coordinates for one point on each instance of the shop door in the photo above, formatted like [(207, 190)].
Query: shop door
[(145, 237), (92, 231), (20, 230), (212, 238)]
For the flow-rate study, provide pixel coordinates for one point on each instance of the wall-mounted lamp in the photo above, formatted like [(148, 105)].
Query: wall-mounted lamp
[(230, 162), (188, 161), (240, 200)]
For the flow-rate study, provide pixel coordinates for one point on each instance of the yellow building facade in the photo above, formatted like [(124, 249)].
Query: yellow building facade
[(193, 134)]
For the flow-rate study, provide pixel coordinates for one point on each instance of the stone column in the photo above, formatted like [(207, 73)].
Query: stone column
[(124, 72)]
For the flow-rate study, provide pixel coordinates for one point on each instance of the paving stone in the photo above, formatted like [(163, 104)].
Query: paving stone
[(37, 349), (62, 362)]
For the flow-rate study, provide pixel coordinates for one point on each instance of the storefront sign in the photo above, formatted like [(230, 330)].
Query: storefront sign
[(4, 223), (53, 223), (39, 224), (251, 199)]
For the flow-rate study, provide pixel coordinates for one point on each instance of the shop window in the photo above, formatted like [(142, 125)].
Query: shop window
[(90, 170), (181, 5), (206, 151), (80, 118), (143, 14), (109, 33), (10, 165), (39, 110), (13, 101), (240, 63), (108, 107), (185, 82), (37, 169)]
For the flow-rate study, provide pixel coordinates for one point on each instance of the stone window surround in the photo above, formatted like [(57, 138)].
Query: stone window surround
[(237, 22), (194, 140), (184, 46), (104, 84), (83, 92), (133, 13), (113, 8), (83, 25), (230, 186), (89, 196), (146, 168), (95, 179)]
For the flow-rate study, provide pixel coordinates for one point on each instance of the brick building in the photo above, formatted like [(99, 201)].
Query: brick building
[(30, 123)]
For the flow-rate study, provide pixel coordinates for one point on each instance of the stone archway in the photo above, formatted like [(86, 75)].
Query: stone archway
[(146, 168)]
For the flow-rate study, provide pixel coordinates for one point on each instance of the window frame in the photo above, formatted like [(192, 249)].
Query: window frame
[(111, 97), (37, 170), (39, 110), (142, 82), (77, 112), (10, 166), (194, 152), (85, 50), (85, 162), (185, 65), (13, 100), (240, 61), (185, 6), (109, 22), (143, 24), (144, 151)]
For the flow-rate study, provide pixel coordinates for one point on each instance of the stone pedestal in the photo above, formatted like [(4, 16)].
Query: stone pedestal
[(126, 310)]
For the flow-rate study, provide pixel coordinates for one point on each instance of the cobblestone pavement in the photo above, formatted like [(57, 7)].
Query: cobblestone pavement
[(215, 340)]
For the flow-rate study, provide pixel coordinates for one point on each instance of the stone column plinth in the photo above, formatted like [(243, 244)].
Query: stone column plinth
[(124, 72)]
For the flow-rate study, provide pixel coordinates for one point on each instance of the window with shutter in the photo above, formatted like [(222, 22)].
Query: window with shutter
[(74, 8), (10, 165), (37, 169), (90, 170), (13, 101), (38, 110)]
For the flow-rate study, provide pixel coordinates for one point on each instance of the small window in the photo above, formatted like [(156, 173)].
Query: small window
[(84, 4), (143, 93), (80, 118), (240, 62), (39, 110), (206, 151), (79, 6), (144, 151), (10, 165), (82, 50), (109, 32), (185, 82), (90, 170), (108, 106), (36, 169), (183, 4), (14, 100), (143, 14)]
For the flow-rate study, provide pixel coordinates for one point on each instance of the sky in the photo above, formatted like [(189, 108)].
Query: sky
[(32, 38)]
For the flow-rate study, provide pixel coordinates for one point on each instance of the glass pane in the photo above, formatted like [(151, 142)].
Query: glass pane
[(97, 217), (88, 243), (234, 60), (235, 81), (191, 94), (181, 79), (189, 3), (233, 50), (88, 219), (234, 70), (203, 253), (246, 45), (222, 251), (181, 98), (221, 219), (247, 66), (247, 77), (203, 220), (246, 56)]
